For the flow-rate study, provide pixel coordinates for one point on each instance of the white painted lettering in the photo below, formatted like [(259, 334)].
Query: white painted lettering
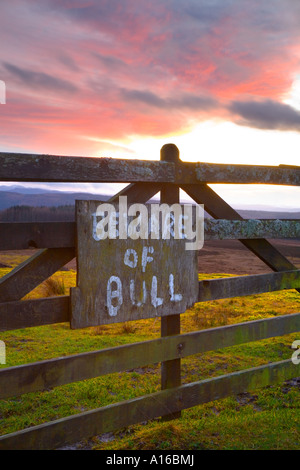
[(132, 293), (173, 297), (156, 301), (145, 258), (132, 263), (114, 294)]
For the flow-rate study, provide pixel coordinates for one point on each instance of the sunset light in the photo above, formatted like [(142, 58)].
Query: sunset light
[(120, 79), (150, 228)]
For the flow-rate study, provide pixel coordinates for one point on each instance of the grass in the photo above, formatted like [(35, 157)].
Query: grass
[(54, 287), (259, 419)]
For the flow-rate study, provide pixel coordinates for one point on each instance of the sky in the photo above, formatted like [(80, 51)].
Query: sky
[(108, 78)]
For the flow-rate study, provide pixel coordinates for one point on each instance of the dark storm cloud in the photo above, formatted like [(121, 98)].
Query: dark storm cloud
[(40, 80), (267, 114)]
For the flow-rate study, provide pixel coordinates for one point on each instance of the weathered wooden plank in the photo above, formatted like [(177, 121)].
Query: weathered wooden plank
[(171, 370), (23, 235), (297, 167), (22, 314), (219, 209), (224, 288), (138, 192), (35, 312), (249, 174), (29, 274), (267, 253), (74, 428), (57, 168), (27, 313), (47, 374), (223, 229), (128, 279)]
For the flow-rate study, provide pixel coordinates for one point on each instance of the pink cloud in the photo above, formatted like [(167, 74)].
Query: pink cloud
[(107, 70)]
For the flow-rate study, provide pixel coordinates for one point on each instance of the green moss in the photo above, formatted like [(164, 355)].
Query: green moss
[(262, 419)]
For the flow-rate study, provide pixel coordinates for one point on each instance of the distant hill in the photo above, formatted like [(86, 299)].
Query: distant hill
[(35, 197), (254, 214), (48, 199)]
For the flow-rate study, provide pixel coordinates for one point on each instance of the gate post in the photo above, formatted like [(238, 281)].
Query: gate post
[(170, 325)]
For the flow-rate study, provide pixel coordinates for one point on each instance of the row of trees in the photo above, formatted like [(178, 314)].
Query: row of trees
[(38, 214)]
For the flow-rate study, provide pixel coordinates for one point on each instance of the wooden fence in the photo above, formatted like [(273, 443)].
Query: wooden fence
[(56, 244)]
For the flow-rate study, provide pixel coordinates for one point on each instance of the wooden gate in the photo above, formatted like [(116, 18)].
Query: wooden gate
[(56, 244)]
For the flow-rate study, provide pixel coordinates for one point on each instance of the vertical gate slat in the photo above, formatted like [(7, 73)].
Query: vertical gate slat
[(170, 325)]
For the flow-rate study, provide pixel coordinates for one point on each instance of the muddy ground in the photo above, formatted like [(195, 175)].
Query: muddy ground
[(230, 256)]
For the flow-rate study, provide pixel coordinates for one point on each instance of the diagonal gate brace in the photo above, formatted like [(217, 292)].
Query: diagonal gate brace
[(219, 209)]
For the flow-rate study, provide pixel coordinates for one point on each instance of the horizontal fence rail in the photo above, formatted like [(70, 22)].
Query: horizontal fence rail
[(36, 312), (56, 168), (239, 286), (23, 235), (113, 417), (251, 229), (43, 375)]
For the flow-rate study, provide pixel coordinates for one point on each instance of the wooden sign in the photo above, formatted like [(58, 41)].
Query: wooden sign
[(120, 280)]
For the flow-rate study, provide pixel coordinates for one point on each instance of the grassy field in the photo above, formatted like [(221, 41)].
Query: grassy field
[(259, 419)]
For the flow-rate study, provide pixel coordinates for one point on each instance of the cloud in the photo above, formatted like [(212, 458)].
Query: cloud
[(144, 68), (194, 102), (68, 62), (40, 80), (110, 62), (183, 101), (266, 114), (143, 96)]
